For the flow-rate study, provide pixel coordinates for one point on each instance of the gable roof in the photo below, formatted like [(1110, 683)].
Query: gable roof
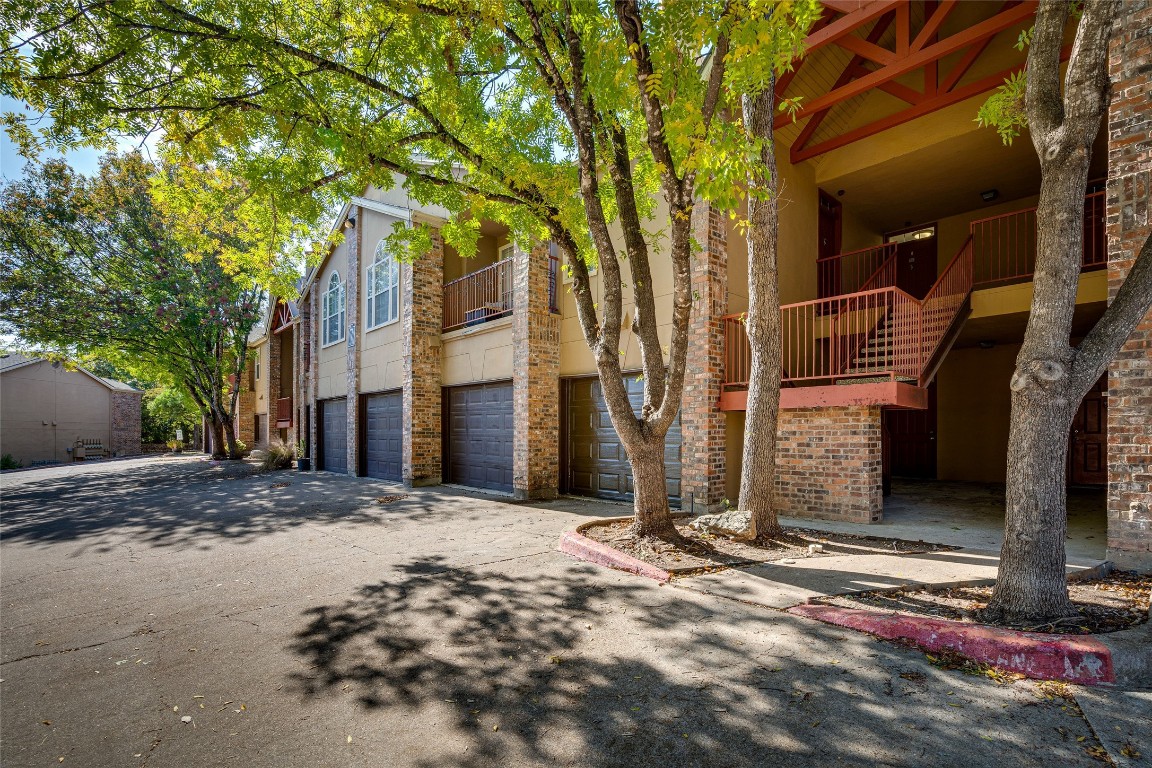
[(14, 360)]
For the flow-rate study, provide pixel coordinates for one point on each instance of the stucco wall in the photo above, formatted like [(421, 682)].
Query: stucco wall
[(973, 405), (381, 348), (479, 353), (333, 361), (45, 409)]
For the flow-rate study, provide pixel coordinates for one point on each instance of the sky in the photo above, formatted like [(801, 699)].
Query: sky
[(12, 165)]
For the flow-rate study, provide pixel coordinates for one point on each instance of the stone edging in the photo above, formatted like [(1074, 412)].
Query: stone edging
[(1072, 658)]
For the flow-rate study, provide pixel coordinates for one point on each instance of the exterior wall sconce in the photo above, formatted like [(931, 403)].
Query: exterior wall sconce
[(350, 223)]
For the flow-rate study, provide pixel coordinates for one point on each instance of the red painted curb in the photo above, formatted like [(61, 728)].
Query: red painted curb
[(1072, 658), (584, 548)]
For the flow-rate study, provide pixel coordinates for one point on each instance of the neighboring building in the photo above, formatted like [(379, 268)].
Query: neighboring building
[(46, 408), (906, 253), (264, 410)]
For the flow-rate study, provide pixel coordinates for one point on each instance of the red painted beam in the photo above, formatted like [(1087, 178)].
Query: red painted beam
[(927, 107), (932, 25), (985, 29), (848, 24), (895, 394)]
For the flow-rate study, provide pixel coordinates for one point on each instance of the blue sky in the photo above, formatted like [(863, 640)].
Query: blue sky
[(12, 165)]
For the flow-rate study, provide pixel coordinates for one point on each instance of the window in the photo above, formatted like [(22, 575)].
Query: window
[(383, 288), (333, 310)]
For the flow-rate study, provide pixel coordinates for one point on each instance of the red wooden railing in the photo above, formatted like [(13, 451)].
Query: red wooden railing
[(283, 412), (481, 296), (879, 332), (1004, 246), (853, 271)]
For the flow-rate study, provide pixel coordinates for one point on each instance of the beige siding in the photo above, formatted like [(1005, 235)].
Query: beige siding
[(381, 351), (332, 360), (479, 353), (45, 409)]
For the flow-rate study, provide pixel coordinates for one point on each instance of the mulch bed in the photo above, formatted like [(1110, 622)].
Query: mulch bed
[(1110, 604), (706, 551)]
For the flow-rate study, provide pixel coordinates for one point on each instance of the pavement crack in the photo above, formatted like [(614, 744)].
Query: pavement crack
[(135, 633)]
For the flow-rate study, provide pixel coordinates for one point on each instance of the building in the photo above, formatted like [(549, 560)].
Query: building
[(47, 408), (907, 242), (264, 409)]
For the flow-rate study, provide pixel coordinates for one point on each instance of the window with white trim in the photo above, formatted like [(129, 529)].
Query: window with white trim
[(383, 286), (333, 310)]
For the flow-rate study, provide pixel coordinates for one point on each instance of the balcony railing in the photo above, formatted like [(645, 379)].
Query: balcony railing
[(484, 295), (856, 270), (283, 413), (1004, 246), (877, 333)]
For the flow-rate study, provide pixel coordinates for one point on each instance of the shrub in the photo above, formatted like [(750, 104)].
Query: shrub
[(175, 446), (241, 449), (279, 455), (8, 461)]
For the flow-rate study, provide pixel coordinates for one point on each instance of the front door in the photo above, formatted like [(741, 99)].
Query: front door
[(915, 260), (827, 268), (1088, 452)]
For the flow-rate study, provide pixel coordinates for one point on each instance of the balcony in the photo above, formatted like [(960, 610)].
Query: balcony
[(867, 331), (486, 294), (284, 413)]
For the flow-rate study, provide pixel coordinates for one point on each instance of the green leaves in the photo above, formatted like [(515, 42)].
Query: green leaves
[(1004, 109)]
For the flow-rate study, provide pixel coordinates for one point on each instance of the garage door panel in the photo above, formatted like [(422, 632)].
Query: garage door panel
[(597, 462), (334, 423), (480, 439), (384, 436)]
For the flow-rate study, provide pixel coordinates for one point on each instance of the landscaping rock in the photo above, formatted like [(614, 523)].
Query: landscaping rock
[(731, 523)]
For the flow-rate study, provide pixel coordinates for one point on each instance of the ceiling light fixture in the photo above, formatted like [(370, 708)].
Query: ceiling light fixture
[(989, 195)]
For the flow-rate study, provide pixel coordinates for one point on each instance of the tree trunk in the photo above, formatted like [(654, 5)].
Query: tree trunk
[(758, 473), (650, 489), (230, 438), (218, 450)]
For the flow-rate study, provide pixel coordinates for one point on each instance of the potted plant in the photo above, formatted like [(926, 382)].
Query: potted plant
[(303, 463)]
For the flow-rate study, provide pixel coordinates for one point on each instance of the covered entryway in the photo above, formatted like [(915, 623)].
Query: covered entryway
[(383, 434), (596, 463), (334, 435), (479, 435)]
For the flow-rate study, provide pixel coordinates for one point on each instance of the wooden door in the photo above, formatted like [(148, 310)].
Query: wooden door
[(1088, 449), (916, 264), (910, 440), (828, 272)]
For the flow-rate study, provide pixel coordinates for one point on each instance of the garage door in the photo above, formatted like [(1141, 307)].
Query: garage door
[(334, 435), (480, 434), (384, 436), (597, 463)]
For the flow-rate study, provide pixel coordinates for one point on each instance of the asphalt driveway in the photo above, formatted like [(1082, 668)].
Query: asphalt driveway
[(182, 613)]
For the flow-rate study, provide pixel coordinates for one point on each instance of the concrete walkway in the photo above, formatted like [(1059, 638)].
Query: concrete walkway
[(297, 621)]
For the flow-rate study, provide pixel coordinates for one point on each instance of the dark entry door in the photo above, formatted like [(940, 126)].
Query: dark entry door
[(1088, 453), (597, 463), (910, 438), (480, 435), (384, 436), (828, 272), (334, 435), (916, 264)]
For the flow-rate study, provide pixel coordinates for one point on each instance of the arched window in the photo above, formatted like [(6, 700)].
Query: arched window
[(383, 287), (333, 310)]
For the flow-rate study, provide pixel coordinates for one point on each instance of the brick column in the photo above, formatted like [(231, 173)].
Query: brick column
[(535, 378), (273, 378), (702, 423), (828, 463), (245, 422), (124, 431), (1130, 374), (312, 393), (352, 338), (422, 309), (302, 370)]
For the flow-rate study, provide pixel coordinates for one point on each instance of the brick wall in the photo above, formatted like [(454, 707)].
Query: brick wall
[(828, 464), (271, 383), (702, 423), (125, 427), (422, 312), (312, 380), (536, 378), (1130, 374), (245, 420), (351, 335)]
